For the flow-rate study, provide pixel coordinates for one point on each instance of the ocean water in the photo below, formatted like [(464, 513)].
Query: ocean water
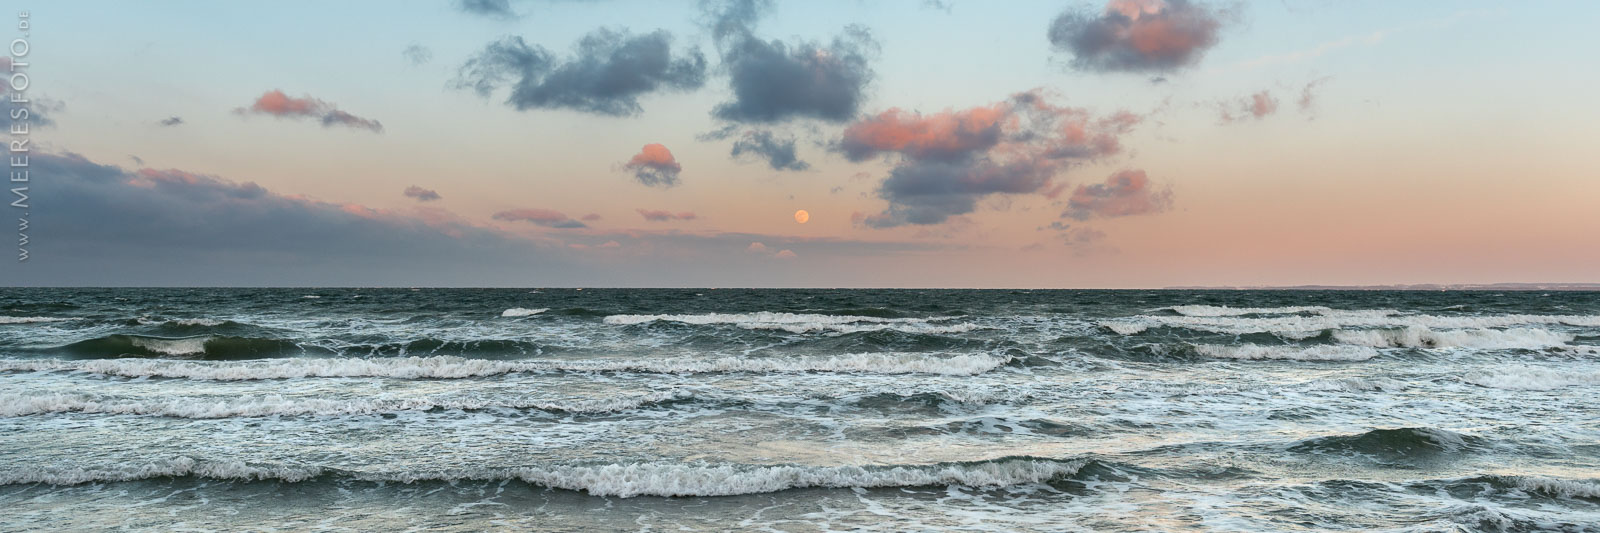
[(798, 410)]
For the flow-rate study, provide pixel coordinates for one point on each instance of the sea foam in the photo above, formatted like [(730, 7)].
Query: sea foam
[(450, 367), (803, 322), (620, 480)]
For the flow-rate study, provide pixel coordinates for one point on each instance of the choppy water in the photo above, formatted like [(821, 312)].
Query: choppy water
[(799, 410)]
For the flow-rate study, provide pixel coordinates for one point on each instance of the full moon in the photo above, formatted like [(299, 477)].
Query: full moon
[(801, 216)]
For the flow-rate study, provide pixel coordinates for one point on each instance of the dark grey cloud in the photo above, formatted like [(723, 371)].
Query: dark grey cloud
[(540, 217), (171, 121), (1137, 35), (496, 9), (774, 81), (170, 227), (417, 54), (421, 194), (949, 161), (778, 151), (607, 73)]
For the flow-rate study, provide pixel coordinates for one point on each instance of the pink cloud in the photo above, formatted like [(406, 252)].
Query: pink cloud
[(654, 165), (1256, 106), (1125, 193), (591, 217), (541, 217), (278, 104)]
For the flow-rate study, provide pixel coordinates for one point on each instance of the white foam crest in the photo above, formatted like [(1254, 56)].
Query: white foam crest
[(1531, 378), (198, 322), (1320, 352), (33, 319), (1223, 310), (450, 367), (12, 405), (1303, 326), (932, 329), (522, 311), (1564, 488), (1423, 337), (803, 322), (178, 347), (182, 466), (620, 480)]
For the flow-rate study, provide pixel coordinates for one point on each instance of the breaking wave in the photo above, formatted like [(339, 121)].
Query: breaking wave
[(1531, 378), (32, 319), (1321, 352), (1223, 310), (804, 322), (1423, 337), (450, 367), (12, 405), (1303, 326), (620, 480), (519, 311)]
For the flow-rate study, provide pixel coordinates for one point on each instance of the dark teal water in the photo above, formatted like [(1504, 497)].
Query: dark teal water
[(798, 410)]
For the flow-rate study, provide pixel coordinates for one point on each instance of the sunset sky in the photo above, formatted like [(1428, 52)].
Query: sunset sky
[(959, 143)]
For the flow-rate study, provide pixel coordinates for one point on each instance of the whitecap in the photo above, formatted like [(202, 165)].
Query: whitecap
[(520, 311), (1423, 337), (450, 367), (1320, 352)]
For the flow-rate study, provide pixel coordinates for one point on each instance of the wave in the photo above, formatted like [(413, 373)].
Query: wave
[(1423, 337), (1531, 378), (450, 367), (803, 322), (1321, 352), (1307, 326), (519, 311), (199, 346), (619, 480), (13, 405), (1391, 442), (1223, 310), (33, 319)]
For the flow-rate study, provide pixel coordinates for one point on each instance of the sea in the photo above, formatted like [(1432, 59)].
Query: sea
[(798, 410)]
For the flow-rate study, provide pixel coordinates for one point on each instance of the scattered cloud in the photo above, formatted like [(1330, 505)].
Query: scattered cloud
[(774, 81), (1308, 94), (607, 73), (495, 9), (1137, 35), (1256, 106), (664, 215), (591, 217), (417, 54), (948, 161), (778, 151), (278, 104), (540, 217), (654, 165), (171, 121), (1125, 193), (421, 194)]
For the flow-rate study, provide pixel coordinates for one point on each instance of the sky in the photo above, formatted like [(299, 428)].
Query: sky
[(952, 143)]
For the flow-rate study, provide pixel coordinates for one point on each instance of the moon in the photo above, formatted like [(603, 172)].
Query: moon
[(801, 216)]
